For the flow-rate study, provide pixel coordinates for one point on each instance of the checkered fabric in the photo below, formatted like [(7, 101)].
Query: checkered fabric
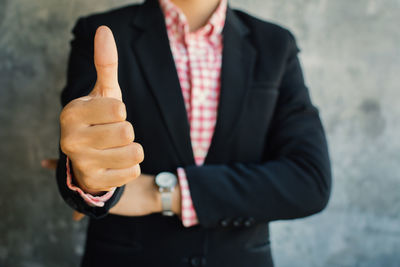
[(198, 58)]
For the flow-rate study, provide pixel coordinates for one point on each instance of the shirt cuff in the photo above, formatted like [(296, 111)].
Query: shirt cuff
[(93, 201), (189, 216)]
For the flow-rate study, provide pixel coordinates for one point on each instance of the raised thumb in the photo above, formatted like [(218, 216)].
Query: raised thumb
[(106, 62)]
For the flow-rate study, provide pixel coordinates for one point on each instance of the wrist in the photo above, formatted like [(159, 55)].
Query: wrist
[(168, 195), (176, 200), (157, 200)]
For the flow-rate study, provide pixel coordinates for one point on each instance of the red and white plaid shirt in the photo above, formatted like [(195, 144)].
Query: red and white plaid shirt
[(198, 59)]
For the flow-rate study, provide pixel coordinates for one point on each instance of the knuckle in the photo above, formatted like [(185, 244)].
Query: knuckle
[(127, 132), (136, 171), (69, 112), (119, 110), (68, 145), (138, 153), (66, 116), (64, 146)]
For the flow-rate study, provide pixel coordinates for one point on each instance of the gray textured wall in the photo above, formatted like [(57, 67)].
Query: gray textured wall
[(351, 57)]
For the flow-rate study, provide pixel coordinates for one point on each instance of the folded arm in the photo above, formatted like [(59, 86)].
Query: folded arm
[(292, 181)]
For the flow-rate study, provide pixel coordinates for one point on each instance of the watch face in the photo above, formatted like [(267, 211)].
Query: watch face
[(166, 179)]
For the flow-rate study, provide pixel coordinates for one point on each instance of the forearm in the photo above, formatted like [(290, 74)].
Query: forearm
[(257, 193), (292, 181)]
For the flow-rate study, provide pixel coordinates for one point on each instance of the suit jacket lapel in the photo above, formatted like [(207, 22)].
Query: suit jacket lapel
[(153, 51), (151, 46), (238, 60)]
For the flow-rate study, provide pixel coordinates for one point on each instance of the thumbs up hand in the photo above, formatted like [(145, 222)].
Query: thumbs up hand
[(94, 132)]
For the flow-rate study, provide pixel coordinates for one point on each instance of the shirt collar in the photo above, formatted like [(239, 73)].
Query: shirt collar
[(177, 24)]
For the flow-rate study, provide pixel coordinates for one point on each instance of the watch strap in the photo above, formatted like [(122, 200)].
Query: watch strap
[(166, 199)]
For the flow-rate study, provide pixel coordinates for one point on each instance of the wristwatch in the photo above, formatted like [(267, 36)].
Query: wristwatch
[(166, 182)]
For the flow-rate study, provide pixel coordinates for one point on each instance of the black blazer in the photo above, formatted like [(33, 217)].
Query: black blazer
[(268, 158)]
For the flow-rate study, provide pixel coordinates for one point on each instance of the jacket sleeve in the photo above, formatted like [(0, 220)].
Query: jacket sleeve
[(81, 77), (292, 181)]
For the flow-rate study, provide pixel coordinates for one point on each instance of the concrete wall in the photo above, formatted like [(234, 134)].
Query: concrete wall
[(351, 58)]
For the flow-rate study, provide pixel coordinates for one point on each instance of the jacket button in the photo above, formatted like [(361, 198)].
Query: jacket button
[(238, 222), (225, 222), (249, 222), (195, 261)]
